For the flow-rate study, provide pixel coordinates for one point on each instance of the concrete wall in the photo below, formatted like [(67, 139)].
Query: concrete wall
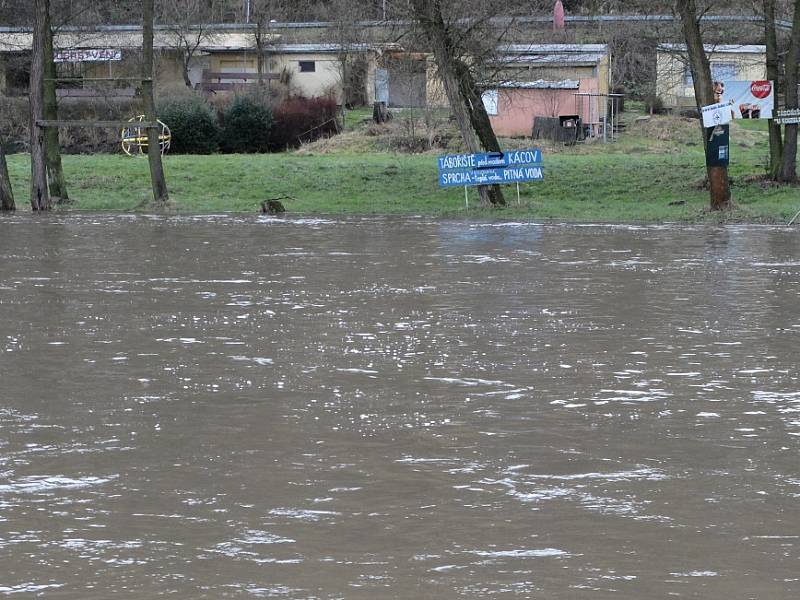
[(325, 79), (671, 85)]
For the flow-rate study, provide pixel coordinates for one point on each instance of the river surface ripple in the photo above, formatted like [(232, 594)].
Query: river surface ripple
[(235, 407)]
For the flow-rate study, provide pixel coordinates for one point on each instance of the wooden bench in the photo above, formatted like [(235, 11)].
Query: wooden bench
[(243, 78)]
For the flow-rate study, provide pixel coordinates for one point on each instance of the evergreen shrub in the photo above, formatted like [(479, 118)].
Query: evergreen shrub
[(246, 126), (192, 123)]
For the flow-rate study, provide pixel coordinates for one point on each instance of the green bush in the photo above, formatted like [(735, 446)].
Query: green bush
[(193, 125), (247, 125)]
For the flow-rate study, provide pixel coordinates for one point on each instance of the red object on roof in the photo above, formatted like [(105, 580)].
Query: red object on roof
[(558, 16)]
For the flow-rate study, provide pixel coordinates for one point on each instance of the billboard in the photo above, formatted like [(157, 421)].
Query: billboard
[(747, 99)]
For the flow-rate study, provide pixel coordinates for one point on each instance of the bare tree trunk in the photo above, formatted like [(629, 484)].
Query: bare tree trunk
[(6, 192), (773, 74), (789, 168), (52, 151), (462, 92), (185, 71), (260, 50), (704, 94), (40, 196), (160, 194)]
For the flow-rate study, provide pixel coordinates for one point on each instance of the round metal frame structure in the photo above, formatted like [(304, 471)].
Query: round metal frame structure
[(134, 138)]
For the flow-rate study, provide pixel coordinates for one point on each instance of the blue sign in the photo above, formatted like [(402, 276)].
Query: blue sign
[(498, 175), (514, 166), (488, 160)]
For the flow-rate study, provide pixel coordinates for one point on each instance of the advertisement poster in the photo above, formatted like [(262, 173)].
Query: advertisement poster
[(747, 99)]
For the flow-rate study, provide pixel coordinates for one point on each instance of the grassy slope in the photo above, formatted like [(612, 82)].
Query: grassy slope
[(654, 163)]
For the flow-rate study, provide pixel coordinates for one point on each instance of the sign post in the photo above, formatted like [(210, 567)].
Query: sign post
[(492, 168), (788, 116)]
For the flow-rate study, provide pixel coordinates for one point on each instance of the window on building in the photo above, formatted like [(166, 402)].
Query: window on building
[(308, 66), (17, 79), (75, 71), (490, 102), (723, 71), (688, 80), (720, 71)]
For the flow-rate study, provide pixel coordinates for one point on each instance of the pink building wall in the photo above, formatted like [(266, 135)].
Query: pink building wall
[(517, 107)]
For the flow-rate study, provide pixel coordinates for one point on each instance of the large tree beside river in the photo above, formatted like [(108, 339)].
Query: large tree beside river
[(40, 194), (448, 42), (6, 192), (703, 93), (789, 166)]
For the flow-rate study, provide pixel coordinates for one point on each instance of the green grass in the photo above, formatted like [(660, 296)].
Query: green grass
[(654, 173)]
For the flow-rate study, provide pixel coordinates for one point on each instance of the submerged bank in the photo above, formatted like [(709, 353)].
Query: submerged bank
[(654, 173)]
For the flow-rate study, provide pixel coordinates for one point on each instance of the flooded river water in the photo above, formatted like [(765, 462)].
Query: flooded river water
[(227, 407)]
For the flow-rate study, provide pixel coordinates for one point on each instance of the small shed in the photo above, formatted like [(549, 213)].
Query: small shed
[(513, 105), (541, 80)]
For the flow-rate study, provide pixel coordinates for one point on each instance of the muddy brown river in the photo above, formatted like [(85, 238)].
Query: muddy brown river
[(236, 407)]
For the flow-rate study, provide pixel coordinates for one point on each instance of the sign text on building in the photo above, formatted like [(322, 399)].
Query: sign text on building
[(88, 55)]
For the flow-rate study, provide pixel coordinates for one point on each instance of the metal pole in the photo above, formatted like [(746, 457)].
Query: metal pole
[(466, 198), (519, 202), (613, 139)]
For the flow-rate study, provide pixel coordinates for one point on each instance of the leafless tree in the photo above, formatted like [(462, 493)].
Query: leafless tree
[(157, 179), (349, 37), (451, 45), (6, 191), (188, 22), (55, 170), (40, 196), (773, 74), (703, 91), (789, 167)]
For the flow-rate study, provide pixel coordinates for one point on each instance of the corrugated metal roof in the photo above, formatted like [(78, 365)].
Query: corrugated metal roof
[(553, 48), (718, 49), (320, 48), (214, 42), (550, 59), (15, 42), (541, 84)]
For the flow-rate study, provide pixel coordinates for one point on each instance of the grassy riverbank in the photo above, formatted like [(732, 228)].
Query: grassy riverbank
[(654, 173)]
